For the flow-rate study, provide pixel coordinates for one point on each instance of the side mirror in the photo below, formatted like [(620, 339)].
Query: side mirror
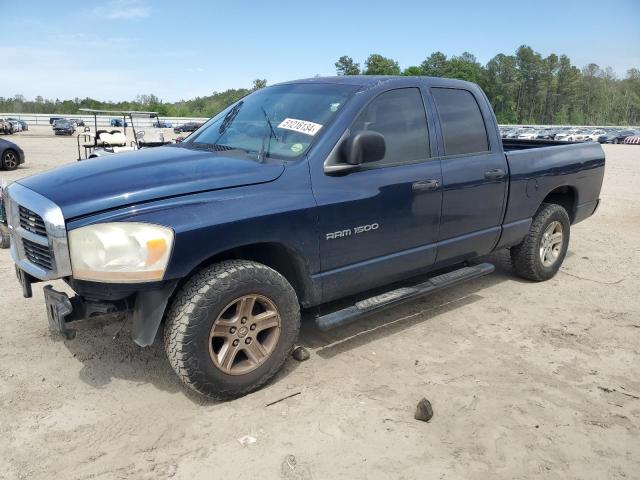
[(365, 146)]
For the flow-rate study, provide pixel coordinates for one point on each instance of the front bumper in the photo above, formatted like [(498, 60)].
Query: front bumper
[(146, 310), (39, 248), (59, 307)]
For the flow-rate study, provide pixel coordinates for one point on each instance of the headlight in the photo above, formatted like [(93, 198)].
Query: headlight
[(120, 252)]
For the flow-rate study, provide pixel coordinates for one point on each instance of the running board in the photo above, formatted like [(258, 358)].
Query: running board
[(403, 294)]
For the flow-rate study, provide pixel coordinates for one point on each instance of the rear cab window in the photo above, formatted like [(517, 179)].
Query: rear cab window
[(463, 127)]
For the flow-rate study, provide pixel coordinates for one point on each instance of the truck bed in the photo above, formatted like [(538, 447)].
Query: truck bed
[(537, 168), (510, 144)]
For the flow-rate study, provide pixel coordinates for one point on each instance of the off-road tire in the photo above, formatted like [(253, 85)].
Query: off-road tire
[(525, 257), (197, 306)]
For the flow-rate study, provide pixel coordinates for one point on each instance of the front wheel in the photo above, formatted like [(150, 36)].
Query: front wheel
[(539, 256), (231, 327), (10, 160)]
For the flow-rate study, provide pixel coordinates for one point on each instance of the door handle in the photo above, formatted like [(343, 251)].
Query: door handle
[(494, 174), (425, 185)]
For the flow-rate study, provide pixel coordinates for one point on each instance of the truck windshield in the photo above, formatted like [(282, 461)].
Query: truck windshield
[(279, 121)]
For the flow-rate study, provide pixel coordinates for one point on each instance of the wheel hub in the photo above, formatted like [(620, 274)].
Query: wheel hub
[(244, 334), (551, 244), (10, 160)]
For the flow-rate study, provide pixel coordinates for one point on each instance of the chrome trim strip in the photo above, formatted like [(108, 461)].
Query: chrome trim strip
[(24, 233), (18, 195)]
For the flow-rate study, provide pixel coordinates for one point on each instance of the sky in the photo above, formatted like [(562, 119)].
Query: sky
[(117, 49)]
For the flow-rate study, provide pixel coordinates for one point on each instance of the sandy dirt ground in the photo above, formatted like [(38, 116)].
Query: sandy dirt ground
[(526, 380)]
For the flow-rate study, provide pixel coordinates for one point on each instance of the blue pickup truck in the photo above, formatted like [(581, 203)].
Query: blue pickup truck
[(335, 196)]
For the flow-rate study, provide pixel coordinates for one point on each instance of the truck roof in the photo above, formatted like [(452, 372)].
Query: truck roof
[(373, 80)]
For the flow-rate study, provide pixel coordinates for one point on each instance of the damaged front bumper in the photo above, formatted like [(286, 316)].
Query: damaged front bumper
[(62, 310), (145, 308)]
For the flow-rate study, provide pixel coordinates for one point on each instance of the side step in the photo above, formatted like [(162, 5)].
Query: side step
[(403, 294)]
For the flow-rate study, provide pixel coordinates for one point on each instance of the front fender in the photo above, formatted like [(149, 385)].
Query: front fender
[(205, 224)]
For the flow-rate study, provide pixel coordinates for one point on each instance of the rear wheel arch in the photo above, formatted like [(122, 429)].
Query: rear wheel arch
[(566, 196)]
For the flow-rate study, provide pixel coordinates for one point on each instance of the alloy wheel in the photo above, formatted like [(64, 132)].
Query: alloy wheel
[(245, 334), (10, 160), (551, 243)]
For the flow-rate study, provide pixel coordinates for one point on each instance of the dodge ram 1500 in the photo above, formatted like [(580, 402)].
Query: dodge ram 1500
[(296, 196)]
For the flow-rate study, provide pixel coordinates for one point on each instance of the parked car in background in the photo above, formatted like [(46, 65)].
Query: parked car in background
[(63, 127), (596, 135), (514, 133), (78, 121), (5, 126), (504, 131), (23, 124), (546, 134), (11, 155), (528, 134), (52, 120), (118, 122), (621, 135), (608, 136), (573, 136), (187, 127), (16, 126), (162, 124)]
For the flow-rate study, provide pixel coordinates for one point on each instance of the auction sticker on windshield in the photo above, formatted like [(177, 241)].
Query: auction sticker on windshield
[(301, 126)]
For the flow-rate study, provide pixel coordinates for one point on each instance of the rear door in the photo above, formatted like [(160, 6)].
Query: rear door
[(474, 174), (380, 223)]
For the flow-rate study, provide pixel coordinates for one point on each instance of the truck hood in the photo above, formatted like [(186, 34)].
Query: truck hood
[(123, 179)]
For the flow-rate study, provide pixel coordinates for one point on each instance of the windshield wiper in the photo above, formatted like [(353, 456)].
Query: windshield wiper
[(262, 155), (230, 117), (212, 147)]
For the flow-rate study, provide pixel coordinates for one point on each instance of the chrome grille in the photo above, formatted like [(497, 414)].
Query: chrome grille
[(32, 222), (38, 233), (38, 254)]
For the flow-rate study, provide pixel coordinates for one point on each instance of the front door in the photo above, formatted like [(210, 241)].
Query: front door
[(379, 223)]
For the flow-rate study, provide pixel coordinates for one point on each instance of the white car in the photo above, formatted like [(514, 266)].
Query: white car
[(16, 125), (528, 135), (596, 134), (573, 136)]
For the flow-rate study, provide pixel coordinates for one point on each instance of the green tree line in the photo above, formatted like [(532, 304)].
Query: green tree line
[(206, 106), (527, 88), (524, 88)]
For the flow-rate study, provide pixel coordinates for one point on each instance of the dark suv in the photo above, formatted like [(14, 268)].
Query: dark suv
[(187, 127)]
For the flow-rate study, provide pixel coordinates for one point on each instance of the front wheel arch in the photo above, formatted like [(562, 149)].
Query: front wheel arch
[(283, 259)]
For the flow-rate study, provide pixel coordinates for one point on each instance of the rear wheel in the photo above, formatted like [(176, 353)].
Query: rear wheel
[(539, 256), (231, 328), (10, 160)]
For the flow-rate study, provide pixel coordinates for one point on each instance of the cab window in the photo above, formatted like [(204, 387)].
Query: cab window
[(399, 116)]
